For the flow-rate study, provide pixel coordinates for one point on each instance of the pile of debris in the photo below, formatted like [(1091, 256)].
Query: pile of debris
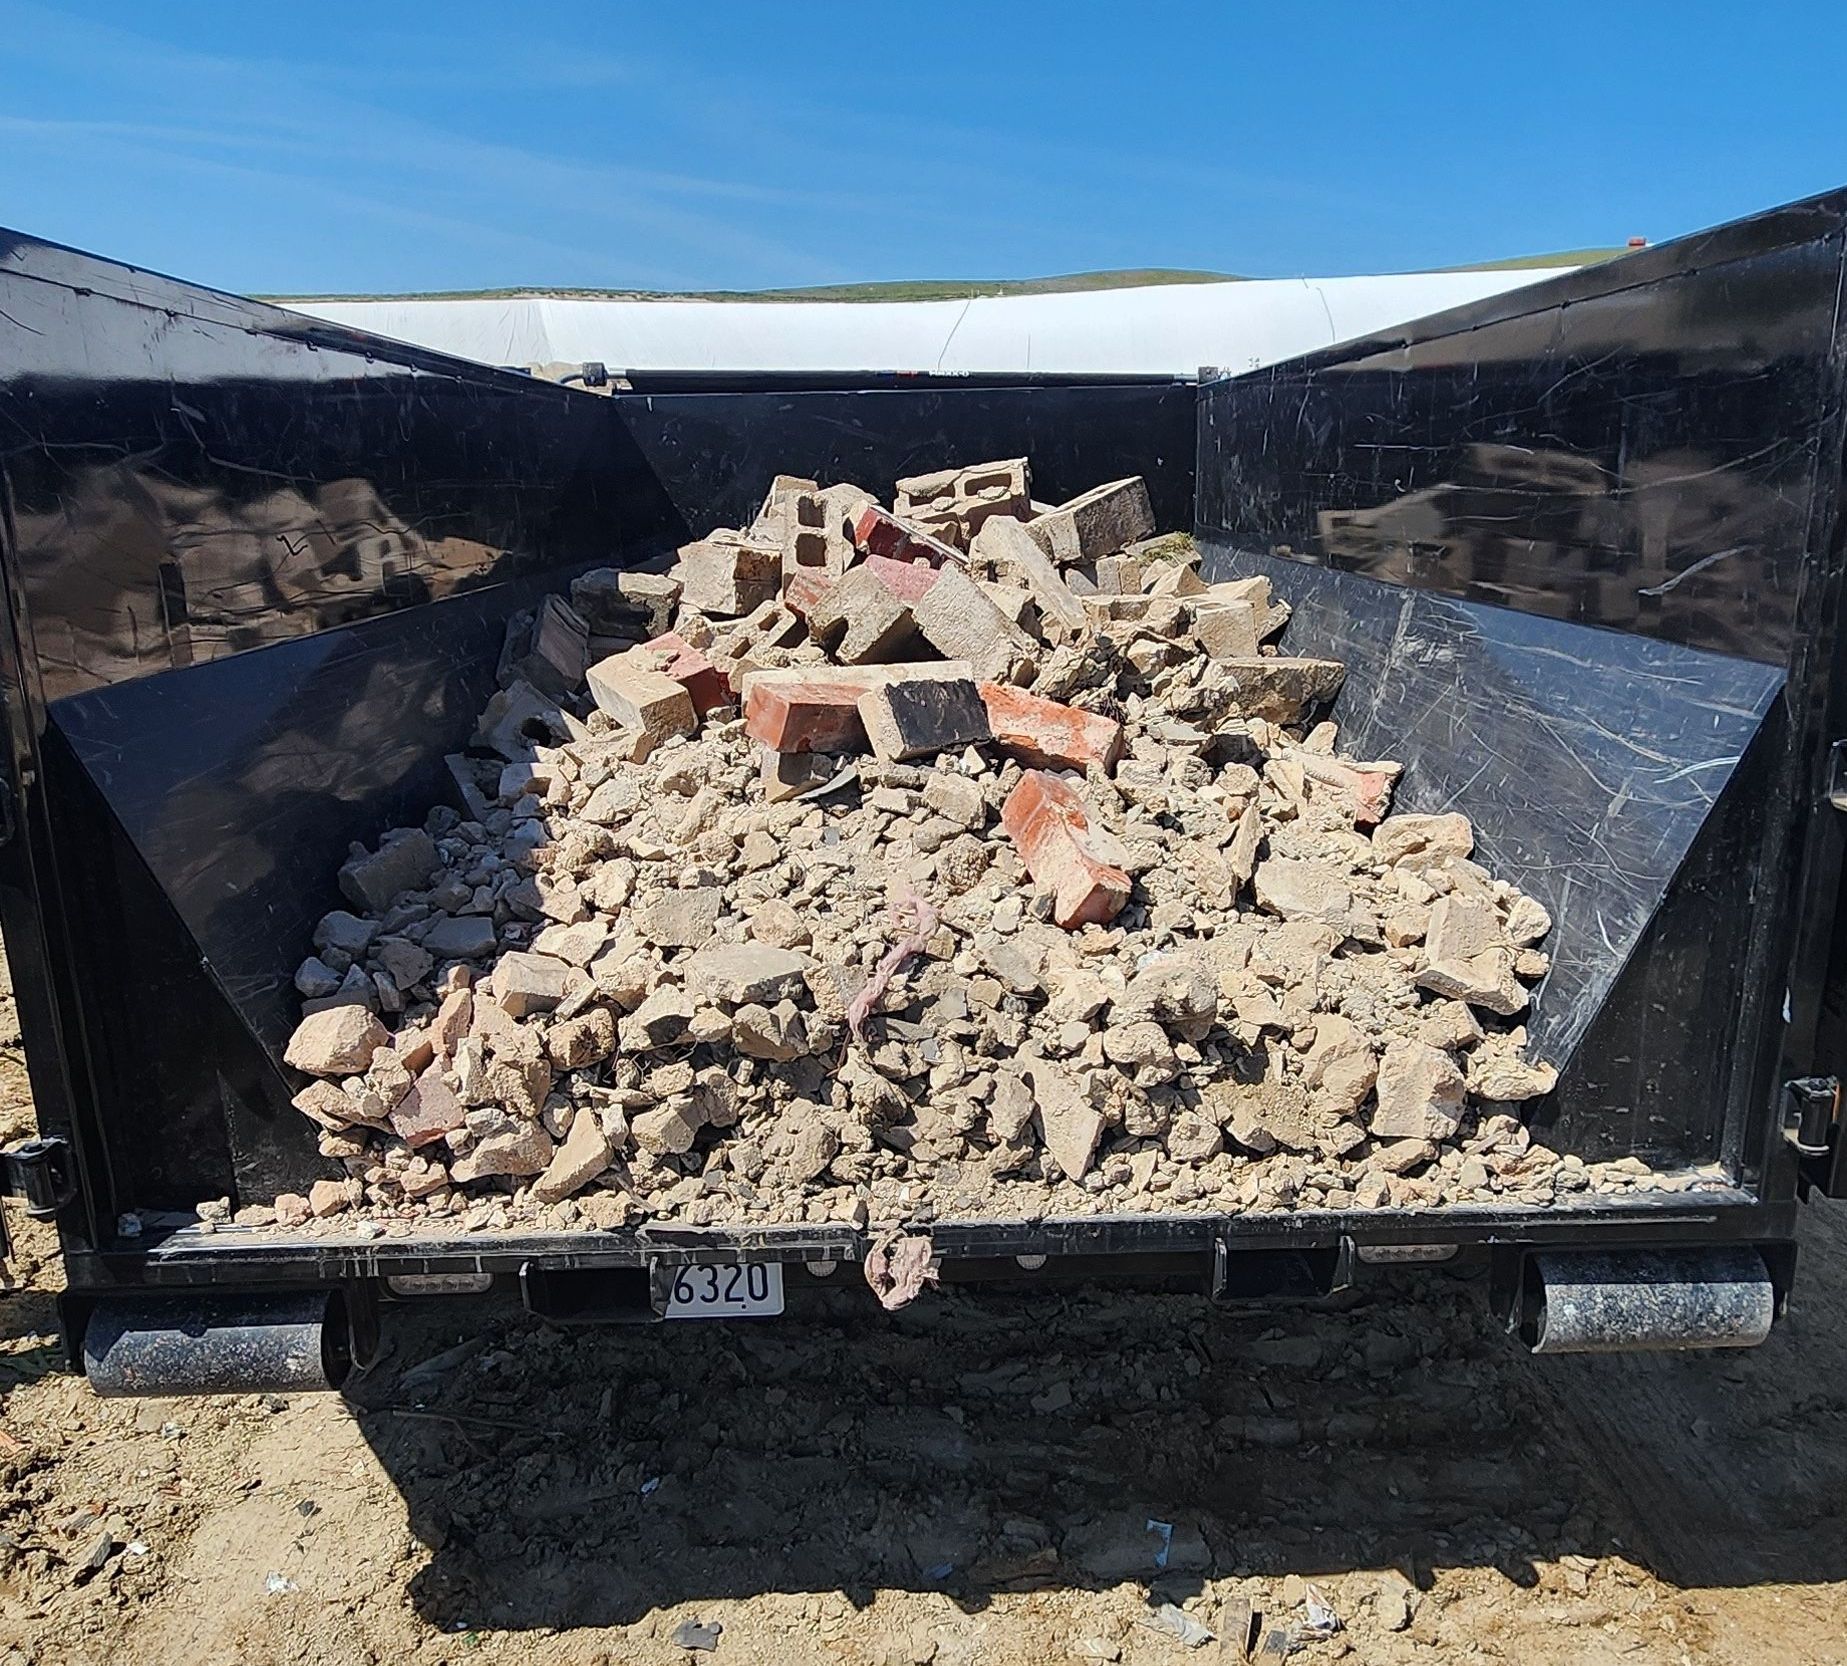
[(970, 857)]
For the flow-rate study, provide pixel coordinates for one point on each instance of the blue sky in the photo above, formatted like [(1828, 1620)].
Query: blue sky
[(353, 148)]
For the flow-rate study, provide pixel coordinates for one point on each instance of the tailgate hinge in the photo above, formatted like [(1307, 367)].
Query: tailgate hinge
[(1812, 1126), (41, 1172)]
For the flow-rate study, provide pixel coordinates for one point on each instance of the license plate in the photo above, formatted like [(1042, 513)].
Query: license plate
[(742, 1290)]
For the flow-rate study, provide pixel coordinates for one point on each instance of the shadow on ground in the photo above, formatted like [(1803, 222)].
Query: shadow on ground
[(976, 1444)]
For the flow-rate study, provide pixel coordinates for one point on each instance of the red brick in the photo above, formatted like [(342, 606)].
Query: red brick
[(879, 532), (1050, 824), (1049, 735), (907, 580), (677, 658), (803, 588), (818, 713)]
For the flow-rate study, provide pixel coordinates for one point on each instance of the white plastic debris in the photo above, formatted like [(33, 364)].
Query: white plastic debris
[(1322, 1620)]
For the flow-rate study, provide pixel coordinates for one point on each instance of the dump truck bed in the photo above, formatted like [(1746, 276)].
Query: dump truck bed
[(1577, 545)]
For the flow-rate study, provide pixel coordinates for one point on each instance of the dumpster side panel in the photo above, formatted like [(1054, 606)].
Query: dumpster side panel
[(1580, 547)]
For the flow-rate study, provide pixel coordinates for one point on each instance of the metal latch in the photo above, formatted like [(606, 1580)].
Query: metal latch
[(1837, 775)]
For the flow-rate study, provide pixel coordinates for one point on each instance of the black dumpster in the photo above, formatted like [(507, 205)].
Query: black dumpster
[(1579, 545)]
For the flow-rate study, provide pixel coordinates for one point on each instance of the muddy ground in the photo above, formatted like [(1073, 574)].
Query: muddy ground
[(980, 1478)]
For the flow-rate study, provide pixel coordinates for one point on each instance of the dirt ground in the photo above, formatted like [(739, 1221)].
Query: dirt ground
[(980, 1478)]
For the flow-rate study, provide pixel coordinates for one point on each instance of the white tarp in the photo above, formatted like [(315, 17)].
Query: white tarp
[(1161, 329)]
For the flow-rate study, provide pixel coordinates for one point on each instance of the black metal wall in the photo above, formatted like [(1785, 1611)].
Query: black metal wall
[(1580, 546), (259, 570)]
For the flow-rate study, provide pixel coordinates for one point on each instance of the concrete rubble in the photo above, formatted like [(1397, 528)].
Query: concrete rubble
[(973, 857)]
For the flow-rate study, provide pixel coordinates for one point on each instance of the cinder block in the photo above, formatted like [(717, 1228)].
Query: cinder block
[(547, 647), (1226, 630), (957, 619), (1096, 523), (859, 620), (954, 504), (728, 575)]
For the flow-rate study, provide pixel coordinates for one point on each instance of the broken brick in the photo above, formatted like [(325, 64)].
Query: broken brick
[(1054, 830), (878, 532), (920, 716), (815, 708), (673, 656), (1048, 735), (639, 697), (808, 710)]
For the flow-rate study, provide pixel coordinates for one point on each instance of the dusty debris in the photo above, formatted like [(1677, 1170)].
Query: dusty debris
[(1091, 904)]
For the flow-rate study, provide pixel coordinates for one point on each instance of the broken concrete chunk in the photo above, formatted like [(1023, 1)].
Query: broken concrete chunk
[(1007, 549), (1420, 841), (405, 861), (338, 1041), (740, 973), (958, 620), (1304, 890), (1527, 922), (427, 1112), (1420, 1093), (460, 937), (582, 1156), (957, 798), (1466, 959), (516, 1151), (1282, 690), (527, 983), (1069, 1125), (345, 933), (678, 919)]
